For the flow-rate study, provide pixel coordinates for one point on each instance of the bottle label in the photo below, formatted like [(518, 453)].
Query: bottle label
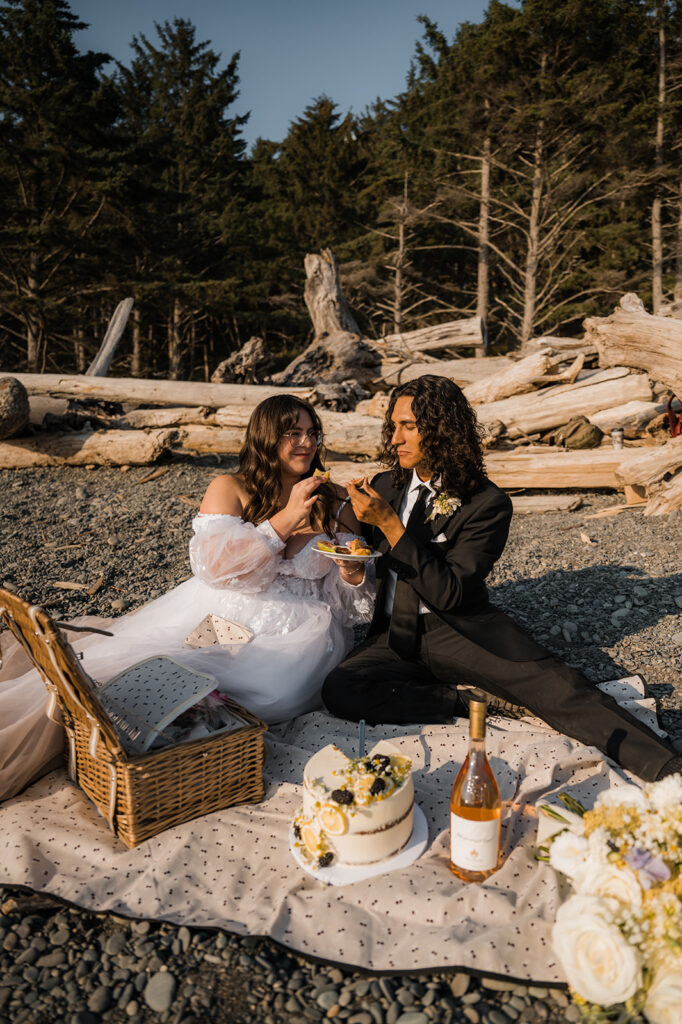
[(474, 845)]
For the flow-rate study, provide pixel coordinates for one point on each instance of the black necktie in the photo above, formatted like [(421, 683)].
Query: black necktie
[(402, 631)]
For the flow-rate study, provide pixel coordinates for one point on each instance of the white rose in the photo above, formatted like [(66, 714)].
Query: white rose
[(664, 998), (666, 794), (600, 965), (568, 854), (609, 882), (626, 796)]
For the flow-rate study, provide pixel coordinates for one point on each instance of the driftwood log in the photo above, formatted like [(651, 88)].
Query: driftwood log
[(651, 472), (653, 464), (134, 390), (324, 299), (249, 365), (14, 407), (462, 371), (512, 380), (633, 417), (554, 406), (538, 467), (87, 448), (633, 337), (344, 433), (117, 325), (332, 360), (534, 468), (468, 333), (144, 419)]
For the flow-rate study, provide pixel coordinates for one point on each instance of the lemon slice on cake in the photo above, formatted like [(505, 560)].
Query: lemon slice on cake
[(362, 787), (311, 839), (332, 820)]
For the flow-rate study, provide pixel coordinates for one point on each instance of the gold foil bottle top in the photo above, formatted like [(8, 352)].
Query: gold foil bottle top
[(477, 712)]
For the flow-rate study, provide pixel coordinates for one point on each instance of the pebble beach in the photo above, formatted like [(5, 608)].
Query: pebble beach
[(602, 591)]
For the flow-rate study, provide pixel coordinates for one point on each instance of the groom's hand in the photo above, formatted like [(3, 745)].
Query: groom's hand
[(370, 507)]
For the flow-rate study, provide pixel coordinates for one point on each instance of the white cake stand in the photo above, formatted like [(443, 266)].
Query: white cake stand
[(345, 874)]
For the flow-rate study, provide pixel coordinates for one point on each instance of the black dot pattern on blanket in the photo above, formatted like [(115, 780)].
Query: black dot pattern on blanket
[(233, 869)]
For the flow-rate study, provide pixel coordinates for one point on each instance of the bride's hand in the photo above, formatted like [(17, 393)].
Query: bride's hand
[(296, 513), (351, 572)]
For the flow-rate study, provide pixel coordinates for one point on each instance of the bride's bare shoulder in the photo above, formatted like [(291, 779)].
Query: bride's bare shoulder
[(225, 495)]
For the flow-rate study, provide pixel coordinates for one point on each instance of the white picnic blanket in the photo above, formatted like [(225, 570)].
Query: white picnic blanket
[(233, 869)]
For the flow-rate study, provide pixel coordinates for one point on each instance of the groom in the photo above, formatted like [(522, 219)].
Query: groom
[(440, 526)]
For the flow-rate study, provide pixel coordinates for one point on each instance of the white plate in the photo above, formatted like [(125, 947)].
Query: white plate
[(345, 874), (349, 558)]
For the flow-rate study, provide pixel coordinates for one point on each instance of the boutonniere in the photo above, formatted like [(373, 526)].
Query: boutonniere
[(444, 505)]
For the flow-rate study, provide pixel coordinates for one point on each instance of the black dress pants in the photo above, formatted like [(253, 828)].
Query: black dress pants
[(378, 685)]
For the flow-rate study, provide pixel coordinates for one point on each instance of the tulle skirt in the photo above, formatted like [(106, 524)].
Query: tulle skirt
[(277, 675)]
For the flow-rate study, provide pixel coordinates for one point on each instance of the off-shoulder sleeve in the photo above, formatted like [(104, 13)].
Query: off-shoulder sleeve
[(351, 606), (227, 552)]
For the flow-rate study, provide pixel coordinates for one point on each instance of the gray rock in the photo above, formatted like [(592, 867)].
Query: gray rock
[(327, 999), (100, 1000), (413, 1018), (160, 991), (115, 943), (496, 1017)]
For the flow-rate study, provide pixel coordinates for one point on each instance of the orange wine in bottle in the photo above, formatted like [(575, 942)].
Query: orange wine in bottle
[(475, 806)]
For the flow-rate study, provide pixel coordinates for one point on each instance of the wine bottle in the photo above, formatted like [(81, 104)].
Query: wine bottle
[(475, 806)]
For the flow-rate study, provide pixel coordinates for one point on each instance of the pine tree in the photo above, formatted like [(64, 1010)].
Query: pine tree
[(188, 239), (55, 114)]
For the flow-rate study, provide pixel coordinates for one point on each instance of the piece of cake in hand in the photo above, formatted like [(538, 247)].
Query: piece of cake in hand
[(322, 474), (358, 811)]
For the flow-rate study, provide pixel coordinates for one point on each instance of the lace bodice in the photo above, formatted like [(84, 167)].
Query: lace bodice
[(228, 554), (308, 563)]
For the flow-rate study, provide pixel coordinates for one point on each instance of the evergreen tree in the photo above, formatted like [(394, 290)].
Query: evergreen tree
[(55, 115), (188, 239)]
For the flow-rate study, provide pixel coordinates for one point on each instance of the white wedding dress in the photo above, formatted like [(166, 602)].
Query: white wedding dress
[(303, 616)]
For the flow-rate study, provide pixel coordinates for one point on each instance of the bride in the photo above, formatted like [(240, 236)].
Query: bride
[(254, 561)]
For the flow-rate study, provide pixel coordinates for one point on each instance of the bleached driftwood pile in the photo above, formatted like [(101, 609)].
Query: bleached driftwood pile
[(521, 403)]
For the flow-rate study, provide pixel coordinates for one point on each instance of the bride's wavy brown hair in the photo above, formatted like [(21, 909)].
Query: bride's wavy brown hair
[(259, 465)]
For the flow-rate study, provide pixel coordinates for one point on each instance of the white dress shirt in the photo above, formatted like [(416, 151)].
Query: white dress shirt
[(406, 506)]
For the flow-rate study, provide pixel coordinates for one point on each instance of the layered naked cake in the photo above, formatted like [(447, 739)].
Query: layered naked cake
[(355, 811)]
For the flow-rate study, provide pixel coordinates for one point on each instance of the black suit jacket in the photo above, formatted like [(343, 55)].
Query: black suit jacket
[(447, 559)]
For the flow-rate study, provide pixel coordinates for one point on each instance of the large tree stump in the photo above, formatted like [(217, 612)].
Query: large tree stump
[(336, 353), (633, 337), (14, 407), (332, 360), (328, 309), (249, 365)]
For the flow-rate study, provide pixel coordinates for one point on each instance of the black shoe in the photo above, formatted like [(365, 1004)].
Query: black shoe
[(498, 705), (671, 767)]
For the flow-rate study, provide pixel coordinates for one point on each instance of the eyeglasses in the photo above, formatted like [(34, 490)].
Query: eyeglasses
[(297, 437)]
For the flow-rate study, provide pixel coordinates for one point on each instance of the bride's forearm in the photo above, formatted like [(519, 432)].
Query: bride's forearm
[(283, 524)]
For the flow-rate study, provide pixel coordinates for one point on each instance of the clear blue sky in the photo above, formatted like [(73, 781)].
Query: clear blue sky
[(291, 50)]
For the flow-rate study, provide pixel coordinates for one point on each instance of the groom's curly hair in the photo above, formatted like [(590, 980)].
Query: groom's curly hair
[(259, 465), (449, 436)]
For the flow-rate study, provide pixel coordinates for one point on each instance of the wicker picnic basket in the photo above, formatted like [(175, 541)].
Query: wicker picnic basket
[(143, 794)]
